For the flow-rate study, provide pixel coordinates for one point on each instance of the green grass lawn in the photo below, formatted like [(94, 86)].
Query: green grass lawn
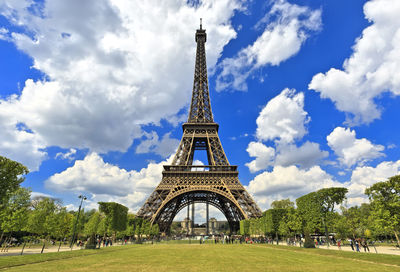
[(194, 257)]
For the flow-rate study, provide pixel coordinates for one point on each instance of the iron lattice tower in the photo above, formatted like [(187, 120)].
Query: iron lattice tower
[(182, 182)]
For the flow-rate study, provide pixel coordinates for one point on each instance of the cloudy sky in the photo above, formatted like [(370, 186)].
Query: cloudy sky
[(93, 93)]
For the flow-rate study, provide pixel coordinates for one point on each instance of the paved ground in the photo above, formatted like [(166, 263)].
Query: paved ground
[(36, 250), (379, 249)]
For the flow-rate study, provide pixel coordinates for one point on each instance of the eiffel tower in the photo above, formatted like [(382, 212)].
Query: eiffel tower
[(183, 183)]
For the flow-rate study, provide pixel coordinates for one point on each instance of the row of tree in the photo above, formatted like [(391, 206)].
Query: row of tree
[(322, 213), (319, 212), (42, 217)]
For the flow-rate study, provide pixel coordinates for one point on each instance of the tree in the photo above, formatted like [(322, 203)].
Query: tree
[(353, 222), (273, 218), (64, 222), (245, 227), (291, 223), (138, 227), (155, 230), (116, 215), (146, 227), (91, 229), (316, 209), (255, 226), (328, 198), (310, 213), (131, 225), (385, 204), (11, 176), (282, 204), (43, 217), (15, 213)]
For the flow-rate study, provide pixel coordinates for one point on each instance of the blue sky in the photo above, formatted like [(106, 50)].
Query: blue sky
[(306, 93)]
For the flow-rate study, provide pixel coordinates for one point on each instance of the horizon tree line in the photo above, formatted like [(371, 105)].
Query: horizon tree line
[(321, 212)]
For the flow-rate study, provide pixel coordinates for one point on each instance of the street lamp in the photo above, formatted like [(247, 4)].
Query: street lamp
[(82, 197)]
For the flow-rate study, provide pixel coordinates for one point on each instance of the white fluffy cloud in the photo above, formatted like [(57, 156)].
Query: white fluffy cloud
[(283, 118), (19, 143), (108, 68), (164, 147), (292, 182), (372, 68), (287, 28), (351, 150), (288, 182), (365, 176), (264, 156), (306, 155), (107, 182)]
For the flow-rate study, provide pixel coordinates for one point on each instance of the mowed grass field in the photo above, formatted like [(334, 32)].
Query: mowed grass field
[(194, 257)]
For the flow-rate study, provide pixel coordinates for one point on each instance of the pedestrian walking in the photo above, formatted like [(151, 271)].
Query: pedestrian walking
[(351, 244), (339, 244), (357, 245), (365, 245)]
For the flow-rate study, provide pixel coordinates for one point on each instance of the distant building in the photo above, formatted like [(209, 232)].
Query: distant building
[(215, 227)]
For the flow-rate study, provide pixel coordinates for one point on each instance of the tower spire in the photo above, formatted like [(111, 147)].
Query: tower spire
[(200, 107)]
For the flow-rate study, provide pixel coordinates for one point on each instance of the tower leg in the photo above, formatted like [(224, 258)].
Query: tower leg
[(207, 226), (187, 221), (193, 218)]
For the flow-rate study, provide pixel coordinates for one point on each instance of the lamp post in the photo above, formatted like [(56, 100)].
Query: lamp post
[(82, 197)]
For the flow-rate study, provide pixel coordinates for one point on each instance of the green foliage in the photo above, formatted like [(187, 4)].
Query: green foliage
[(116, 215), (385, 204), (64, 221), (92, 226), (130, 228), (11, 176), (15, 213), (273, 218), (245, 227), (353, 222), (282, 204), (138, 226), (316, 208), (329, 197), (146, 227), (290, 225), (43, 217), (309, 211), (155, 230)]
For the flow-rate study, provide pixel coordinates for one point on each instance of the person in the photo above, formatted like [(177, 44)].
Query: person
[(357, 245), (339, 244), (365, 245), (351, 244)]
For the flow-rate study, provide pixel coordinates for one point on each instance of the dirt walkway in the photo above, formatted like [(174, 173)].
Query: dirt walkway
[(35, 250), (379, 249)]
